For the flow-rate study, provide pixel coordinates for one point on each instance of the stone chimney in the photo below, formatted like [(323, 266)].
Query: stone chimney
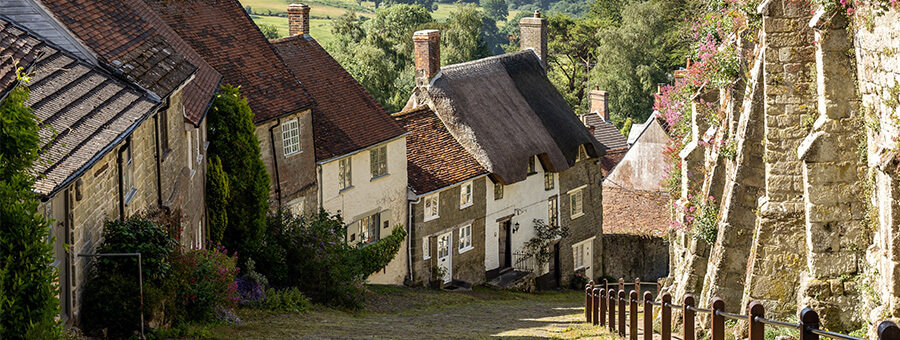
[(533, 35), (428, 55), (600, 103), (298, 19)]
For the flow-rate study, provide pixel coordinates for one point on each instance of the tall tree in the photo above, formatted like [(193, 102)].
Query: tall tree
[(495, 9), (28, 303), (232, 137), (462, 36)]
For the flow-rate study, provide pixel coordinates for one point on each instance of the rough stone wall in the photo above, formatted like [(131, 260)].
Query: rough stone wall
[(634, 256), (293, 185), (877, 46), (587, 172), (808, 213)]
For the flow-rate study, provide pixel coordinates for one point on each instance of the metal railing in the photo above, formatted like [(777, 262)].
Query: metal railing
[(523, 262), (601, 300)]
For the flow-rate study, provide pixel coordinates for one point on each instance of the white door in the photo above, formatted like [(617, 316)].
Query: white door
[(445, 256)]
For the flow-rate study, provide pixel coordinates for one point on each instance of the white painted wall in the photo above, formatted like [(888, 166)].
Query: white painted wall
[(526, 201), (367, 195)]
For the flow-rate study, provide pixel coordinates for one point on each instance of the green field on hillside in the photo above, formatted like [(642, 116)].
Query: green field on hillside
[(321, 13)]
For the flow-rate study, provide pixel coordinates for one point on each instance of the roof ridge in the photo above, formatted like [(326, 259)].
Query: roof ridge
[(409, 112), (508, 55)]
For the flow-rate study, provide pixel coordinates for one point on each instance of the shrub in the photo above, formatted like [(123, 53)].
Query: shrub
[(202, 281), (251, 286), (310, 253), (288, 299), (111, 298), (28, 302), (232, 137)]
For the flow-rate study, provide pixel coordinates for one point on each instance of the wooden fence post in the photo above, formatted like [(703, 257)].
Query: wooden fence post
[(637, 286), (717, 322), (648, 316), (666, 317), (587, 302), (622, 284), (622, 313), (612, 310), (595, 306), (888, 330), (602, 300), (688, 317), (809, 319), (606, 284), (757, 330), (632, 314)]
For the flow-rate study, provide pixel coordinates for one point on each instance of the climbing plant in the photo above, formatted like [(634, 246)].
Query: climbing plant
[(539, 245)]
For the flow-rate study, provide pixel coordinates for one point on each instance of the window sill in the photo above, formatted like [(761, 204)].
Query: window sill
[(426, 258), (461, 207), (577, 215), (130, 196), (548, 189), (345, 189), (432, 218), (379, 177), (287, 155), (466, 249)]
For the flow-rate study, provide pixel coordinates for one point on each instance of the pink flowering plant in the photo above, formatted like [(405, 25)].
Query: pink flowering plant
[(204, 281)]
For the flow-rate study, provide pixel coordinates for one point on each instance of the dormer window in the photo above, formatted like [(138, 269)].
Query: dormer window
[(582, 154)]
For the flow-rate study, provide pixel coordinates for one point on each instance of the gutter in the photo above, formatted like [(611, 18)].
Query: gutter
[(275, 160), (327, 160)]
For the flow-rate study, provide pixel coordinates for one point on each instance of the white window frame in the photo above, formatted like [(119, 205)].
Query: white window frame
[(378, 162), (466, 195), (345, 173), (465, 238), (290, 137), (432, 207), (426, 248), (578, 254), (576, 202)]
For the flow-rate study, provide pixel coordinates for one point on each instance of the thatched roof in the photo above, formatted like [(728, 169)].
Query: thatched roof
[(504, 110)]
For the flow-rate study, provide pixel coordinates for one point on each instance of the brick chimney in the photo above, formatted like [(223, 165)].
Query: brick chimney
[(428, 55), (600, 103), (533, 35), (298, 19)]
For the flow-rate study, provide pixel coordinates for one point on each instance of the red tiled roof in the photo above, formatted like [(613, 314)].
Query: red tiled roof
[(434, 158), (131, 38), (346, 117), (611, 158), (226, 37)]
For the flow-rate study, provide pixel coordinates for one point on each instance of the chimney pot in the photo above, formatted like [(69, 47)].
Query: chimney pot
[(533, 35), (600, 103), (427, 49), (298, 19)]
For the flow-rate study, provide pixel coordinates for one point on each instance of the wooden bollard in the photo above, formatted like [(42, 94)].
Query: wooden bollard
[(688, 317), (595, 306), (622, 284), (622, 313), (612, 310), (666, 318), (809, 319), (602, 300), (717, 322), (888, 330), (637, 286), (606, 284), (587, 303), (757, 330), (648, 316), (632, 314)]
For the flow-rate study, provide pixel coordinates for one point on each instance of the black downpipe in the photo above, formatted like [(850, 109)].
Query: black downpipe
[(158, 161), (275, 161), (121, 185)]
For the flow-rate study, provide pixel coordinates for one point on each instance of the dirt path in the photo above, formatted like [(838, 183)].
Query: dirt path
[(396, 313)]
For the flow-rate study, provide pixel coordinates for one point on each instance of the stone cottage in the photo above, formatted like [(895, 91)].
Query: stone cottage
[(118, 139), (360, 151), (448, 192), (225, 36), (482, 103)]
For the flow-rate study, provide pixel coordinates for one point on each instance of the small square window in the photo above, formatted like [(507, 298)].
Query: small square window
[(576, 203), (532, 167), (465, 195), (549, 181), (498, 191), (290, 137)]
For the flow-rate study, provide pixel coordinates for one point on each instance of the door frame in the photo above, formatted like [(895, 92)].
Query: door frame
[(505, 234), (448, 276)]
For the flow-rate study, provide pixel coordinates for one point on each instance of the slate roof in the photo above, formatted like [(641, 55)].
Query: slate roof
[(606, 133), (434, 158), (504, 110), (611, 159), (226, 37), (132, 39), (346, 117), (84, 111)]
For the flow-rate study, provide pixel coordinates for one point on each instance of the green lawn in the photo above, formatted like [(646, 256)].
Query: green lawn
[(416, 313)]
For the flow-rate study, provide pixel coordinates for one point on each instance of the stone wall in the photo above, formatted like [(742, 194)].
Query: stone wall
[(585, 173), (292, 185), (634, 256), (808, 206)]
